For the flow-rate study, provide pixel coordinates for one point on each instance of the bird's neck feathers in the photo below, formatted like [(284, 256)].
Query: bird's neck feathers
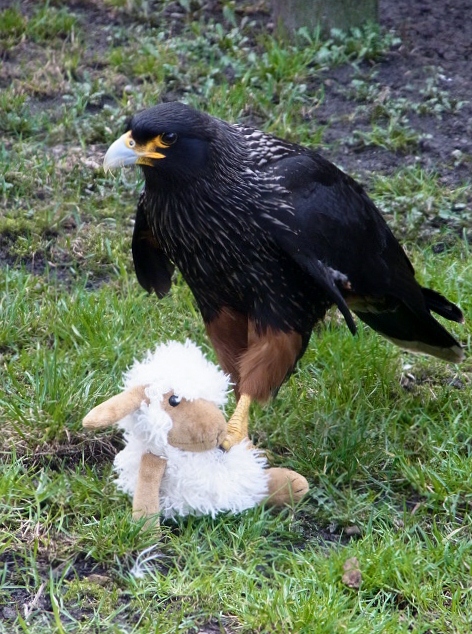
[(230, 198), (222, 184)]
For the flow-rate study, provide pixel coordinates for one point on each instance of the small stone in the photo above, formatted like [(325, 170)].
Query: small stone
[(100, 580), (9, 613), (351, 531), (69, 223)]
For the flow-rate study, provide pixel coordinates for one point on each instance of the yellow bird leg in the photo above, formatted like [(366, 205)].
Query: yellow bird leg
[(238, 423)]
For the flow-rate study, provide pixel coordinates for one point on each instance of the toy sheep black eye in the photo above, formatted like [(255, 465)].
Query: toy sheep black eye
[(174, 400)]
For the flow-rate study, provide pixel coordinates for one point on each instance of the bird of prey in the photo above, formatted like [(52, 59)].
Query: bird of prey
[(268, 235)]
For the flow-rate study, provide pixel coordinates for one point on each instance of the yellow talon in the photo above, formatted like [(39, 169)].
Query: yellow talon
[(238, 423)]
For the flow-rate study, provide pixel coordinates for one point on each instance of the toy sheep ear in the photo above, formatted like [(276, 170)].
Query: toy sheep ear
[(116, 408)]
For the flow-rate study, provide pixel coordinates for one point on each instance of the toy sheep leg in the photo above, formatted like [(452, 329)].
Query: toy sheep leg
[(286, 487), (146, 493)]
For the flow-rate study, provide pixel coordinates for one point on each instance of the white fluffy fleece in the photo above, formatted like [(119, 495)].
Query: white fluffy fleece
[(183, 368), (196, 483)]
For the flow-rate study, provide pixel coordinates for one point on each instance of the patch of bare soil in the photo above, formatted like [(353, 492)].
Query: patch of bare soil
[(432, 62), (28, 603)]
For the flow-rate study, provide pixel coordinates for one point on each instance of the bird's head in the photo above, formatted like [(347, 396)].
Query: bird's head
[(171, 140)]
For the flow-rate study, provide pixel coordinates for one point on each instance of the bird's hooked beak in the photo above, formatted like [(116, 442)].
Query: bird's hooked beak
[(125, 151)]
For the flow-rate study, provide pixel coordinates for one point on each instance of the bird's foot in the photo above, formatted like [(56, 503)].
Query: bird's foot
[(238, 423)]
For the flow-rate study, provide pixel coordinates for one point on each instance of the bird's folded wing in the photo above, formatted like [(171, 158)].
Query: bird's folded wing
[(341, 225), (329, 280), (153, 268)]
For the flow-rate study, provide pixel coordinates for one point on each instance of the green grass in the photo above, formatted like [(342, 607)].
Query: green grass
[(383, 437), (414, 199)]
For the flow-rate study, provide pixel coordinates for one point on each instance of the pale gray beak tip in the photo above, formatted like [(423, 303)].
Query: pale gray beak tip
[(119, 155)]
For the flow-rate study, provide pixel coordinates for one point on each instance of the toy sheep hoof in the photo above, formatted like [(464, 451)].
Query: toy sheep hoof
[(286, 487)]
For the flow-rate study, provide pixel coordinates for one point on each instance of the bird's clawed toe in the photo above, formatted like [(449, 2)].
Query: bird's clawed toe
[(232, 439), (238, 423)]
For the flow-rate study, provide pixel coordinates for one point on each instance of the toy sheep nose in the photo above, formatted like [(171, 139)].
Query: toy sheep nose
[(196, 425)]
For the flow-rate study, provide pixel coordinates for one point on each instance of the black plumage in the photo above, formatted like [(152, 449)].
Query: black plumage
[(270, 234)]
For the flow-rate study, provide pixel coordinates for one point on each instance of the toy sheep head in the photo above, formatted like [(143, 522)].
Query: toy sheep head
[(172, 397), (170, 412), (196, 425)]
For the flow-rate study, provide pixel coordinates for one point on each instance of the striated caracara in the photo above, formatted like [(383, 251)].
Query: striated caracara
[(268, 235)]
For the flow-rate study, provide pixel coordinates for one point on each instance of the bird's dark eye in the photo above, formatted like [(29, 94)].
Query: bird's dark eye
[(168, 138), (174, 400)]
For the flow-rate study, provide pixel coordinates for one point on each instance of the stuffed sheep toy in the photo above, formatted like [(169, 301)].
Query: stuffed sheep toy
[(172, 463)]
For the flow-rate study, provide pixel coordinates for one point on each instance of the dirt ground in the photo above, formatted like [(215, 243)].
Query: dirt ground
[(436, 42), (436, 46)]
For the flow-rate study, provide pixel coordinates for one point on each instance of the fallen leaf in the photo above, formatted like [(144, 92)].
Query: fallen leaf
[(352, 576)]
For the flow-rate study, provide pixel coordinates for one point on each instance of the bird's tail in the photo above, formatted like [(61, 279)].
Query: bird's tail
[(416, 329), (442, 306)]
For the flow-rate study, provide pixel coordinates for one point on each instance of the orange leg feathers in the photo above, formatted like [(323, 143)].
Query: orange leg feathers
[(258, 363)]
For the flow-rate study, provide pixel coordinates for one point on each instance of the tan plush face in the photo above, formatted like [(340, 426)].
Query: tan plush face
[(197, 425)]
